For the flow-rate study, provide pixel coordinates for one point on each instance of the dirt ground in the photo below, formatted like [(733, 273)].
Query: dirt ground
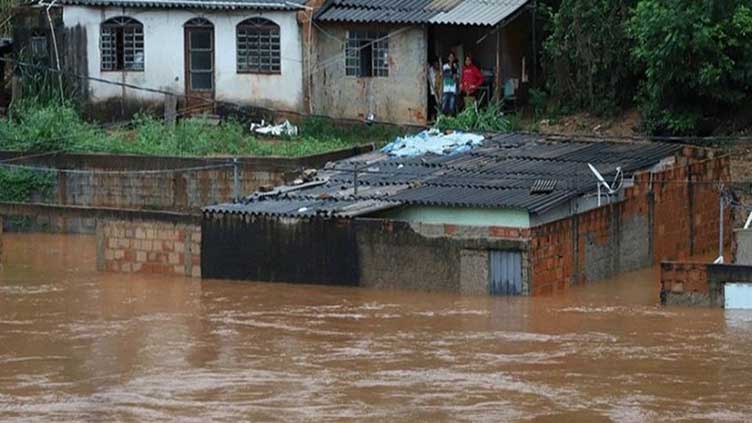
[(625, 125)]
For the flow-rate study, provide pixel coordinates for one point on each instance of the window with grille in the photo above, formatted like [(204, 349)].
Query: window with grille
[(39, 45), (258, 46), (367, 54), (122, 44)]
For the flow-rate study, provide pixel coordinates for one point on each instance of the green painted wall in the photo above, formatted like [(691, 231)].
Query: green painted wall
[(511, 218)]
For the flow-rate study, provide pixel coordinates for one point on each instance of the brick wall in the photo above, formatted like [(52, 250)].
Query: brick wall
[(660, 218), (684, 277), (125, 246)]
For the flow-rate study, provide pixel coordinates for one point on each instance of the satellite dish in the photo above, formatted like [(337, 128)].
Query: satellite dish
[(611, 189)]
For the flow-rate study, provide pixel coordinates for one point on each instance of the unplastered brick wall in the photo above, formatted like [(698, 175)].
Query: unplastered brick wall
[(684, 277), (662, 217), (149, 247)]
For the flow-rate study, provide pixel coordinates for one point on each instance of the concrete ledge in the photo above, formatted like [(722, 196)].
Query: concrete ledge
[(104, 161), (57, 210)]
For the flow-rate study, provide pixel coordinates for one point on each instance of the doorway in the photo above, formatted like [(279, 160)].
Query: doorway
[(505, 272), (199, 66)]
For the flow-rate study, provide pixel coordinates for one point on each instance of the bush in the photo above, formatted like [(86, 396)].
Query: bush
[(42, 127), (21, 185), (476, 119), (697, 59)]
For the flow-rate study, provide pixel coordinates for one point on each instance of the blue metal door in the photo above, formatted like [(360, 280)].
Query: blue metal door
[(505, 272)]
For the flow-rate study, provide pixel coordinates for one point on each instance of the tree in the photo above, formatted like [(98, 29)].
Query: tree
[(587, 55), (697, 62)]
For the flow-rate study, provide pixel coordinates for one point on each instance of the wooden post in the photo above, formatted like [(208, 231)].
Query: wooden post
[(498, 89), (170, 110)]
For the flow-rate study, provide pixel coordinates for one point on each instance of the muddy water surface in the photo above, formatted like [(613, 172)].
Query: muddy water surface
[(80, 346)]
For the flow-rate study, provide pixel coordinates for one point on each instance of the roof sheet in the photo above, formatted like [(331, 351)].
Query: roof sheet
[(195, 4), (449, 12), (508, 171)]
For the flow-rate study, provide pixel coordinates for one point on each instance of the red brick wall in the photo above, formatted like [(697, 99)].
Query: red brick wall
[(677, 233), (684, 277), (674, 223), (149, 247)]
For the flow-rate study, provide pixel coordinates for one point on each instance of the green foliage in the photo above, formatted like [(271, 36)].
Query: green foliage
[(477, 119), (697, 59), (586, 56), (36, 126), (20, 185), (538, 102), (40, 126)]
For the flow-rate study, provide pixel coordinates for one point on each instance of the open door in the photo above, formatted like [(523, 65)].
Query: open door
[(199, 66)]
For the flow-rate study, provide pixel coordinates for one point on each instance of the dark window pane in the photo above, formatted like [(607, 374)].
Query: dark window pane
[(201, 81), (201, 60), (201, 39)]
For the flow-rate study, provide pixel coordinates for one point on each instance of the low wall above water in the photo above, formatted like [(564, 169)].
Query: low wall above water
[(170, 248), (699, 283)]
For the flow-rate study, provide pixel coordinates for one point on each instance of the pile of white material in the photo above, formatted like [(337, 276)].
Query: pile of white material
[(285, 128), (433, 141)]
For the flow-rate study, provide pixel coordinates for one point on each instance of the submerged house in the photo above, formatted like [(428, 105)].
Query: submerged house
[(518, 215), (371, 58), (246, 52)]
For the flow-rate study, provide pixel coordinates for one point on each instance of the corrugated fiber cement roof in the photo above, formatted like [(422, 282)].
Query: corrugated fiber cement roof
[(449, 12), (509, 171), (194, 4)]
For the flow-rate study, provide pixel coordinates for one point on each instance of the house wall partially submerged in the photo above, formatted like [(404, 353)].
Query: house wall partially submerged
[(661, 217), (371, 253)]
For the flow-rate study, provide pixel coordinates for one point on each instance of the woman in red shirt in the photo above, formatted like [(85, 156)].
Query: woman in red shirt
[(472, 79)]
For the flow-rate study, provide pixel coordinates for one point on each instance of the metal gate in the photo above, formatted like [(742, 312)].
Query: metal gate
[(505, 274)]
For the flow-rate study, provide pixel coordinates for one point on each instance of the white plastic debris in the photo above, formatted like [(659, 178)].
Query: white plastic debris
[(434, 142), (285, 128)]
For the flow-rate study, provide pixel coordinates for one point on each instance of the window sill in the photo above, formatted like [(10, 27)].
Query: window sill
[(257, 73), (121, 71)]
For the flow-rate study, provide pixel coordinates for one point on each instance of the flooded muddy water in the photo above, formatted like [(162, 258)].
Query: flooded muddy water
[(76, 345)]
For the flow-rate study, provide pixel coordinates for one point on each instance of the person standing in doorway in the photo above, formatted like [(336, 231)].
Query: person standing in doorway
[(472, 80), (449, 91), (434, 88), (449, 78)]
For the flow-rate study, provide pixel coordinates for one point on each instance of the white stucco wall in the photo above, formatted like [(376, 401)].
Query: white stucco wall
[(164, 56)]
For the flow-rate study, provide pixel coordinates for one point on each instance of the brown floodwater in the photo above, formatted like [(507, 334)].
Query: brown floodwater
[(76, 345)]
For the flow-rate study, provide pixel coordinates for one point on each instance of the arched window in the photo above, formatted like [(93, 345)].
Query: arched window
[(258, 46), (122, 44), (199, 22)]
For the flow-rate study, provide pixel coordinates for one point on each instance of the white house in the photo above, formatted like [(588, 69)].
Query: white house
[(245, 52)]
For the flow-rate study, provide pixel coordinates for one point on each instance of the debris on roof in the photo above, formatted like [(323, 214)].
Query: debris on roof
[(516, 171), (434, 142)]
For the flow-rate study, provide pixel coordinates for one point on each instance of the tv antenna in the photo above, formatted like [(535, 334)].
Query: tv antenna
[(611, 189)]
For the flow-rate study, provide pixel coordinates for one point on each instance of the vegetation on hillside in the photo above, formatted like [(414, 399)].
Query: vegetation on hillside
[(686, 64)]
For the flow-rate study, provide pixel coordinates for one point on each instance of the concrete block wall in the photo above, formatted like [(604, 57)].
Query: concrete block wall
[(137, 246), (661, 218), (743, 247), (184, 191)]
